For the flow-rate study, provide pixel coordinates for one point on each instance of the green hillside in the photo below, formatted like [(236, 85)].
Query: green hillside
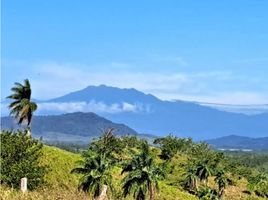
[(61, 184), (70, 127)]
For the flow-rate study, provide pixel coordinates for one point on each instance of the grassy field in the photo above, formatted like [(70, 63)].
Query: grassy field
[(61, 185)]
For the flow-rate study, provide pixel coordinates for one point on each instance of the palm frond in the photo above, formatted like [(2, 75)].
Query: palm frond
[(22, 108)]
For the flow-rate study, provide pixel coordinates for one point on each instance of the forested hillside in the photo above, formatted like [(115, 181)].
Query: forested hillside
[(177, 159)]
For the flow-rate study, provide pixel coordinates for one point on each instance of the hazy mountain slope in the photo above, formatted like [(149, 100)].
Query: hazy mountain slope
[(188, 119), (163, 117), (239, 142), (72, 126)]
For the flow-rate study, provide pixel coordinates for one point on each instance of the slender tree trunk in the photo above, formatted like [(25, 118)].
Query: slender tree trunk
[(29, 133), (29, 129), (151, 191), (194, 185), (221, 193), (103, 195)]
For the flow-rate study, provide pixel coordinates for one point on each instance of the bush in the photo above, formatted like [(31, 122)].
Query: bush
[(20, 158), (207, 193), (259, 185)]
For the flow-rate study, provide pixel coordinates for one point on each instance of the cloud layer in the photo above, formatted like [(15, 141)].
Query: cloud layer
[(92, 106)]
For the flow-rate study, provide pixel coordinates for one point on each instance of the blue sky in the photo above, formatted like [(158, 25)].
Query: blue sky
[(211, 51)]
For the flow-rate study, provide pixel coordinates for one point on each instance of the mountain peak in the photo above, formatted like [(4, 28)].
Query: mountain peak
[(108, 95), (107, 87)]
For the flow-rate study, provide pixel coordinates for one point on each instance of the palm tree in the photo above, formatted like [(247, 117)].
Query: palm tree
[(207, 193), (203, 171), (96, 177), (191, 179), (222, 182), (143, 175), (22, 107)]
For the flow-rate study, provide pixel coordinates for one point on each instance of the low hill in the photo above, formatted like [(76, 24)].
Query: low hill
[(63, 185), (71, 127), (234, 142)]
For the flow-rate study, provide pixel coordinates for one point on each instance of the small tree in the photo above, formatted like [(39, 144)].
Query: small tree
[(22, 107), (170, 145), (20, 158), (143, 175), (203, 171), (191, 179), (96, 176), (222, 182), (108, 145), (207, 193)]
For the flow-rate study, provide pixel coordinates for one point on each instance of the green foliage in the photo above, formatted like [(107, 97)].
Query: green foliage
[(190, 180), (222, 181), (201, 152), (108, 145), (63, 185), (98, 161), (143, 174), (95, 170), (259, 184), (203, 170), (170, 145), (256, 160), (22, 107), (20, 158), (207, 193), (131, 141)]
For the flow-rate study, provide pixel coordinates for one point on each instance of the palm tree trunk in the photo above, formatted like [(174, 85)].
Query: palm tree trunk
[(151, 190), (29, 129), (103, 195), (221, 192), (29, 132)]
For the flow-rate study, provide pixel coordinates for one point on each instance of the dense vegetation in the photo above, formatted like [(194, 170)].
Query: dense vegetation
[(127, 167), (20, 157)]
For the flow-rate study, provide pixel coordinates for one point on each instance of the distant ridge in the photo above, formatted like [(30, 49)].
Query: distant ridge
[(70, 127), (250, 109), (239, 143)]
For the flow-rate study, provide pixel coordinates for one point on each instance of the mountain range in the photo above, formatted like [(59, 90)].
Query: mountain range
[(81, 128), (146, 113)]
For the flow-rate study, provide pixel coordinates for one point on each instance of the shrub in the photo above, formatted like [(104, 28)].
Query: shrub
[(207, 193), (259, 184), (20, 158)]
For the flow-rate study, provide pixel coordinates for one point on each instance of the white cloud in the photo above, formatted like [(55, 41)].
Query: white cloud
[(238, 98), (92, 106)]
